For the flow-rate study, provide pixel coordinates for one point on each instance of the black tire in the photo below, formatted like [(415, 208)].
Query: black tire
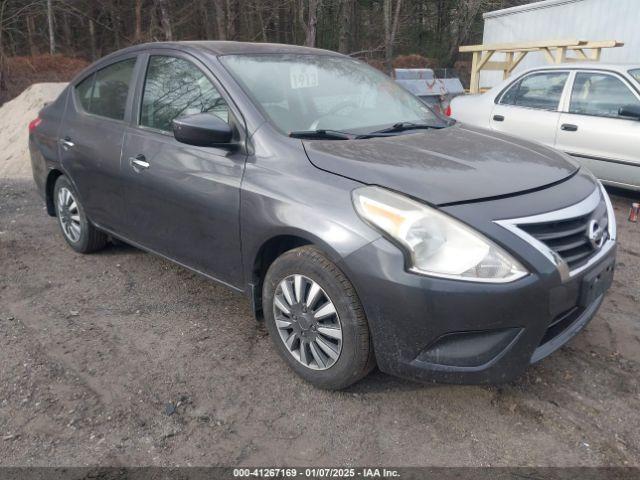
[(356, 358), (90, 239)]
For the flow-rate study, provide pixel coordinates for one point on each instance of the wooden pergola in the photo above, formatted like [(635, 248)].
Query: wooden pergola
[(555, 51)]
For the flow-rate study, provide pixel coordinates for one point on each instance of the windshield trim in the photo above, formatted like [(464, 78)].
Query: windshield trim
[(267, 118)]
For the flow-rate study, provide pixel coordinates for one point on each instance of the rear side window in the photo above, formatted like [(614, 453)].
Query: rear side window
[(83, 91), (541, 91), (600, 94), (174, 88), (105, 92)]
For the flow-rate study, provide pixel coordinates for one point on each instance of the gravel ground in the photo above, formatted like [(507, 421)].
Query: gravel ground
[(122, 358)]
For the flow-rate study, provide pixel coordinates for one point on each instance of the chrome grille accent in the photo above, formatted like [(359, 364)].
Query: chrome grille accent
[(562, 235), (570, 238)]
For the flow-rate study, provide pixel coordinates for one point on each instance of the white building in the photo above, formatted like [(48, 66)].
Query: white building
[(565, 19)]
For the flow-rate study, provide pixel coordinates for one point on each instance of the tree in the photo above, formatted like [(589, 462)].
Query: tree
[(374, 30), (345, 25), (309, 26), (52, 38), (391, 19), (137, 37), (165, 19)]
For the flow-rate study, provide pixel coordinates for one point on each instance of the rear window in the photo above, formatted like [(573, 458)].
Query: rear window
[(83, 91), (105, 92)]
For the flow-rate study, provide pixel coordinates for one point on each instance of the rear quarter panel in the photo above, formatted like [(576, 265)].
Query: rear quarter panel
[(43, 141)]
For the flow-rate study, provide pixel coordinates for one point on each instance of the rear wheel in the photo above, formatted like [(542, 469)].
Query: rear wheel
[(316, 320), (74, 224)]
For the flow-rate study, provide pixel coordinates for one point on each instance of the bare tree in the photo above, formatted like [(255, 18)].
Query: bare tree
[(346, 21), (219, 7), (391, 21), (465, 13), (31, 28), (310, 25), (52, 38), (165, 19), (137, 36), (231, 19)]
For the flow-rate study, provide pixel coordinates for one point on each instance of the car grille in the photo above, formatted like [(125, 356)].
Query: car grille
[(570, 238)]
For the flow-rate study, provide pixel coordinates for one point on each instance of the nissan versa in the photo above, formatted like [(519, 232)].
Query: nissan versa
[(365, 228)]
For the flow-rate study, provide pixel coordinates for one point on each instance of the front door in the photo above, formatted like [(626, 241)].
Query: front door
[(529, 107), (91, 136), (593, 131), (183, 201)]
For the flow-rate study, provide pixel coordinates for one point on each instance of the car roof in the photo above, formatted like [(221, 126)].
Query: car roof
[(617, 67), (224, 47), (211, 47)]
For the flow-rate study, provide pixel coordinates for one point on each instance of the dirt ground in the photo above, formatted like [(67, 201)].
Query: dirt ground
[(122, 358)]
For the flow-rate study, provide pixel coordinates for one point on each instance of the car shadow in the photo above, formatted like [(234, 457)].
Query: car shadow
[(623, 193), (117, 247)]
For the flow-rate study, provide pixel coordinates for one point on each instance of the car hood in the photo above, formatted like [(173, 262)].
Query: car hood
[(451, 165)]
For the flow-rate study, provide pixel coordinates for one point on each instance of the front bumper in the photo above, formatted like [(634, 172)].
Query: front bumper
[(440, 330), (436, 329)]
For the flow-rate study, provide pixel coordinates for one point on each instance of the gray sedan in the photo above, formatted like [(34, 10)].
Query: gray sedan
[(364, 228)]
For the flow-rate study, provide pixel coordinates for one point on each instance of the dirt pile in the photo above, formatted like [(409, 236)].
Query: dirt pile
[(14, 120)]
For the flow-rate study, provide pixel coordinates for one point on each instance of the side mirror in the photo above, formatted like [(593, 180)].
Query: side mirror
[(631, 111), (202, 130)]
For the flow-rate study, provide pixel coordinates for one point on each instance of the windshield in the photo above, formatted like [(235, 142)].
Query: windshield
[(322, 92), (635, 74)]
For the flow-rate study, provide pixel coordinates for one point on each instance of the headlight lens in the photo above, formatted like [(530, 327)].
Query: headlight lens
[(436, 243)]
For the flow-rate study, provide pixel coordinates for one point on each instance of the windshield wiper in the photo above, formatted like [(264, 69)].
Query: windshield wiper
[(400, 127), (322, 134)]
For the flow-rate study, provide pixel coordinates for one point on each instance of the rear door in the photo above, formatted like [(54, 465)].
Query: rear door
[(591, 129), (90, 138), (529, 107), (183, 201)]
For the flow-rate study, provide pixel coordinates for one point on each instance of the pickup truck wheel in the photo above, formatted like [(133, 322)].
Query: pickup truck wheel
[(316, 320), (76, 228)]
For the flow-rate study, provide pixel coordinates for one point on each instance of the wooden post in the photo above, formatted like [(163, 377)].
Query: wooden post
[(561, 55), (507, 67), (474, 84)]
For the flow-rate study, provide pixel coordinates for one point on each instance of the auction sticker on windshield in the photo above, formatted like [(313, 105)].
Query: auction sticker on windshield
[(303, 76)]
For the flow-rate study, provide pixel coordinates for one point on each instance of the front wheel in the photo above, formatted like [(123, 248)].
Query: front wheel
[(72, 218), (316, 320)]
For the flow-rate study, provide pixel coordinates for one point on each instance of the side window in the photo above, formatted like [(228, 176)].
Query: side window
[(83, 91), (174, 88), (105, 92), (600, 94), (539, 90)]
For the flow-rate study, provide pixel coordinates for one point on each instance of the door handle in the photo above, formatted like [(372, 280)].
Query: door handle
[(567, 127), (66, 143), (139, 163), (498, 118)]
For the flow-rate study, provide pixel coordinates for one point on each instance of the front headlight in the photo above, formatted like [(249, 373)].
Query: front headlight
[(436, 243)]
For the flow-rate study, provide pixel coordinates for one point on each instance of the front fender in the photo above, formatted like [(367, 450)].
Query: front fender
[(315, 207)]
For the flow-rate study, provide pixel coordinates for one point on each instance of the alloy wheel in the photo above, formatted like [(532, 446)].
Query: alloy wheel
[(307, 322), (69, 215)]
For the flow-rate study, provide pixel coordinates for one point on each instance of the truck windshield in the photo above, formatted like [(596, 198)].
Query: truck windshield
[(325, 92)]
